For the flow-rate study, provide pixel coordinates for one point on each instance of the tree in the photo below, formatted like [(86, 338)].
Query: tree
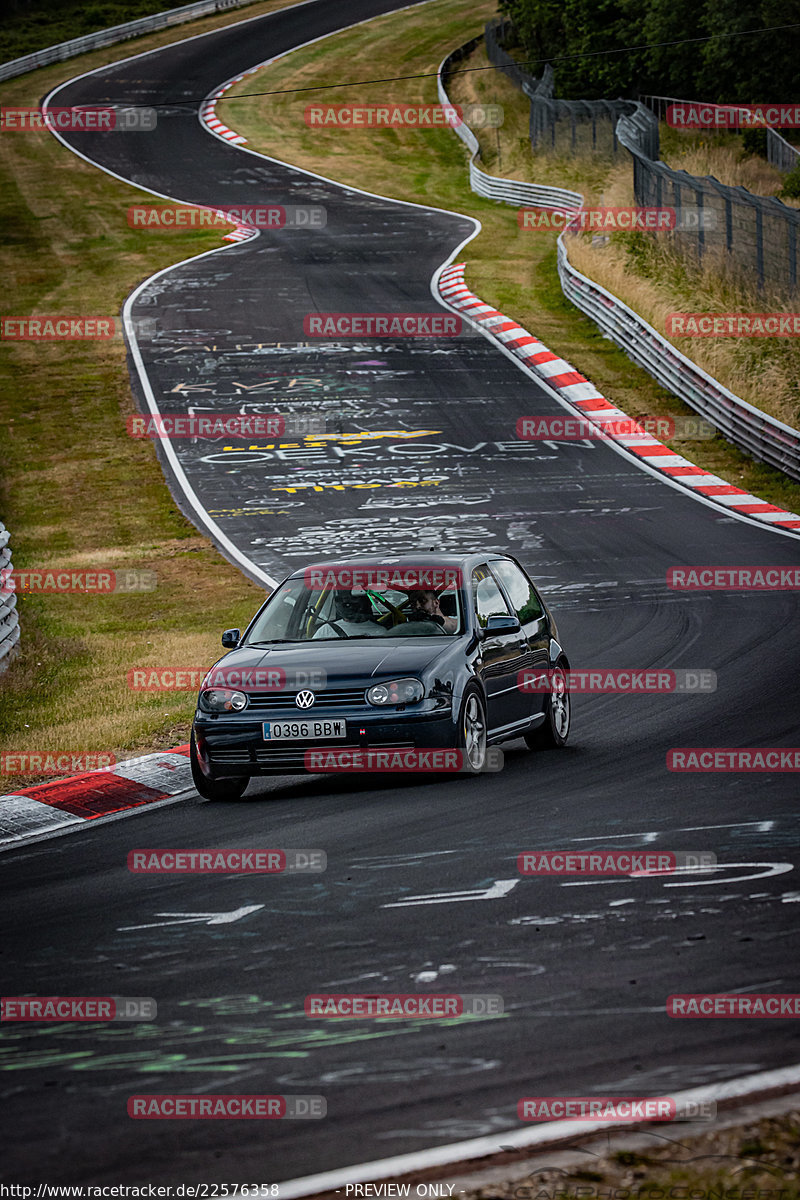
[(671, 70)]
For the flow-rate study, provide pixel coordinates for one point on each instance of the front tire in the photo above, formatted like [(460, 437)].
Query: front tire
[(230, 788), (554, 731), (472, 732)]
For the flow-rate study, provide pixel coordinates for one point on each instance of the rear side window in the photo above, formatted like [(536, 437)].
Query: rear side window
[(487, 597), (525, 602)]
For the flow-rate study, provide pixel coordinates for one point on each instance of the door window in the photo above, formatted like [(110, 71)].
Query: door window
[(488, 599), (521, 592)]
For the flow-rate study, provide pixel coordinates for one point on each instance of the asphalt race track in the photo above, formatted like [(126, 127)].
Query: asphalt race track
[(584, 966)]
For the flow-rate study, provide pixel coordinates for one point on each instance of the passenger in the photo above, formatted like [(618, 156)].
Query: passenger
[(353, 616), (425, 607)]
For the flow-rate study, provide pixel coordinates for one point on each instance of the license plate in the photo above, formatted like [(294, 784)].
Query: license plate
[(290, 731)]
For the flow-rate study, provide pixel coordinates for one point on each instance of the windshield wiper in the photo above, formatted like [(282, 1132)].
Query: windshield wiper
[(276, 642)]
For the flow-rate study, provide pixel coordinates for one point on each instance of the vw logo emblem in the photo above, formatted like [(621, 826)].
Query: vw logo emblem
[(304, 699)]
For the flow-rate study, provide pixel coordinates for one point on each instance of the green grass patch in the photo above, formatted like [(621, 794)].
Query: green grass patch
[(31, 25), (77, 492)]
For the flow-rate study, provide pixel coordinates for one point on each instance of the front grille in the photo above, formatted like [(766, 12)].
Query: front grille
[(333, 698), (295, 756), (291, 756)]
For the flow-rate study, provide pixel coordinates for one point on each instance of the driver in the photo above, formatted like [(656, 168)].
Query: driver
[(353, 615), (425, 607)]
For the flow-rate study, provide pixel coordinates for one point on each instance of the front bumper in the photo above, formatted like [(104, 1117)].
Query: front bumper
[(235, 745)]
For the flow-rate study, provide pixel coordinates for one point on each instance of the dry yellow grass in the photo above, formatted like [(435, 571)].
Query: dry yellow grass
[(721, 155), (765, 373)]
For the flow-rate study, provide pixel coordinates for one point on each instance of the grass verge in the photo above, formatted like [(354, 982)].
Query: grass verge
[(76, 491), (759, 1160), (645, 272), (31, 25)]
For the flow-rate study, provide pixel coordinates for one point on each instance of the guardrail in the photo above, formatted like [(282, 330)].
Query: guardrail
[(493, 187), (747, 427), (757, 433), (115, 33), (9, 619), (780, 153), (513, 191)]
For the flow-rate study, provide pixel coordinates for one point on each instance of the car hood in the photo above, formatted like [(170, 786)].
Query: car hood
[(382, 658)]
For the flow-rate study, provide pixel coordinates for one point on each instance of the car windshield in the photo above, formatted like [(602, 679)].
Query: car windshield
[(297, 612)]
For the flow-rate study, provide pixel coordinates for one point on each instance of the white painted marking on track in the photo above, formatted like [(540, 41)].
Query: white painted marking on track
[(516, 1138), (500, 887), (221, 539), (650, 835), (226, 918), (770, 869)]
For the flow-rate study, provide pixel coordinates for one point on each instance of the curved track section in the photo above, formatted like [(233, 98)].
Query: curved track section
[(426, 455)]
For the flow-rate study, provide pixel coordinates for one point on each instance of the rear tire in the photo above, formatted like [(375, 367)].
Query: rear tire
[(228, 788), (472, 732), (553, 732)]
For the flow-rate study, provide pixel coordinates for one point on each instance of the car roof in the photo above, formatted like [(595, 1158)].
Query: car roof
[(467, 561)]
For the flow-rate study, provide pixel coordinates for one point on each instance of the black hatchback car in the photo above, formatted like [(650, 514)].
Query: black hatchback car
[(351, 660)]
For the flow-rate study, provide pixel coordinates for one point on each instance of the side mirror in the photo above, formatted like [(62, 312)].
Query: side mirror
[(231, 638), (501, 624)]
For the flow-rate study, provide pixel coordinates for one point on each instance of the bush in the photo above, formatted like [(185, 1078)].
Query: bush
[(791, 184), (754, 141)]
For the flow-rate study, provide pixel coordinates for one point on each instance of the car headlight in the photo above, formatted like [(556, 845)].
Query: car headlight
[(222, 700), (396, 691)]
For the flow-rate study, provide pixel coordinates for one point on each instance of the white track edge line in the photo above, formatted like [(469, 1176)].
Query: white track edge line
[(610, 442), (489, 1146)]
